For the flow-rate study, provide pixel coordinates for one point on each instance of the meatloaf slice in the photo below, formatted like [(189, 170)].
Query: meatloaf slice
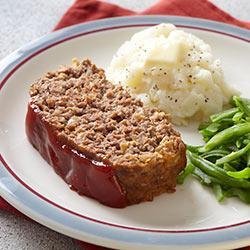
[(104, 143)]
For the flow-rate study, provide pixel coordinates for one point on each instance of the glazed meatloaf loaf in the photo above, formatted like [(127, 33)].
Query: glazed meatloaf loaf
[(104, 143)]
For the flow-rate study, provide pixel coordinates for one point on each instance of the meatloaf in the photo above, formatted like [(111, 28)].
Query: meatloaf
[(104, 143)]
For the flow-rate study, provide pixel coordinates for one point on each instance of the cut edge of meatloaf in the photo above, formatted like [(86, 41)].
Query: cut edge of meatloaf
[(105, 123)]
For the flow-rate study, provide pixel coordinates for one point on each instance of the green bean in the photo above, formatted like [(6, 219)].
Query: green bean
[(223, 163), (242, 105), (234, 155), (218, 192), (243, 174), (217, 172), (237, 118), (215, 153), (246, 100), (247, 136), (228, 167), (238, 143), (248, 159), (243, 195), (226, 135), (224, 114), (186, 172), (193, 148), (203, 125), (212, 128), (215, 128), (205, 179), (246, 141), (242, 141)]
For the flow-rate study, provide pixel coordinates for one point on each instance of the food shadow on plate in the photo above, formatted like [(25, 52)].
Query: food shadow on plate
[(167, 211)]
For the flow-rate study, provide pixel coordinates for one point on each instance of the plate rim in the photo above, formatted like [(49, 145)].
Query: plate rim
[(22, 55)]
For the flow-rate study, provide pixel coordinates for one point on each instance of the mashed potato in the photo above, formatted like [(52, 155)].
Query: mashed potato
[(172, 70)]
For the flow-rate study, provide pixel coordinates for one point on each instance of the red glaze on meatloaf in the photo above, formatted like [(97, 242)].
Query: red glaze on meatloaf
[(104, 143)]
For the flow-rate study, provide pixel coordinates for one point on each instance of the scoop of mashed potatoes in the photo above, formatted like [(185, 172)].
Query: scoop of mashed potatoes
[(172, 70)]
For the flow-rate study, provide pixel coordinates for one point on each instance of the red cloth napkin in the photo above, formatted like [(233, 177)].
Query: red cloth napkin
[(87, 10)]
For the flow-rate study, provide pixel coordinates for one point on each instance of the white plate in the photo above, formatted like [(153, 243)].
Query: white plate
[(191, 217)]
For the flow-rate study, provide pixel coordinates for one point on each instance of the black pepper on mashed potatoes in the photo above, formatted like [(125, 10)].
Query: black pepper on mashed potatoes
[(172, 70)]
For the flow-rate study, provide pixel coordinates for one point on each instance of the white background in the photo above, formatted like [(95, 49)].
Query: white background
[(20, 22)]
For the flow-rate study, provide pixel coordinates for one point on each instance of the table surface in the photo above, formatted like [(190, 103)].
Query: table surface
[(19, 27)]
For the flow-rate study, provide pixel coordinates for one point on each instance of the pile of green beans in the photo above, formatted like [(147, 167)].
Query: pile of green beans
[(223, 163)]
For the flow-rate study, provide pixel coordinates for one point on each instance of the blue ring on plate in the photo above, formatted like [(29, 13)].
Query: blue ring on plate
[(43, 211)]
